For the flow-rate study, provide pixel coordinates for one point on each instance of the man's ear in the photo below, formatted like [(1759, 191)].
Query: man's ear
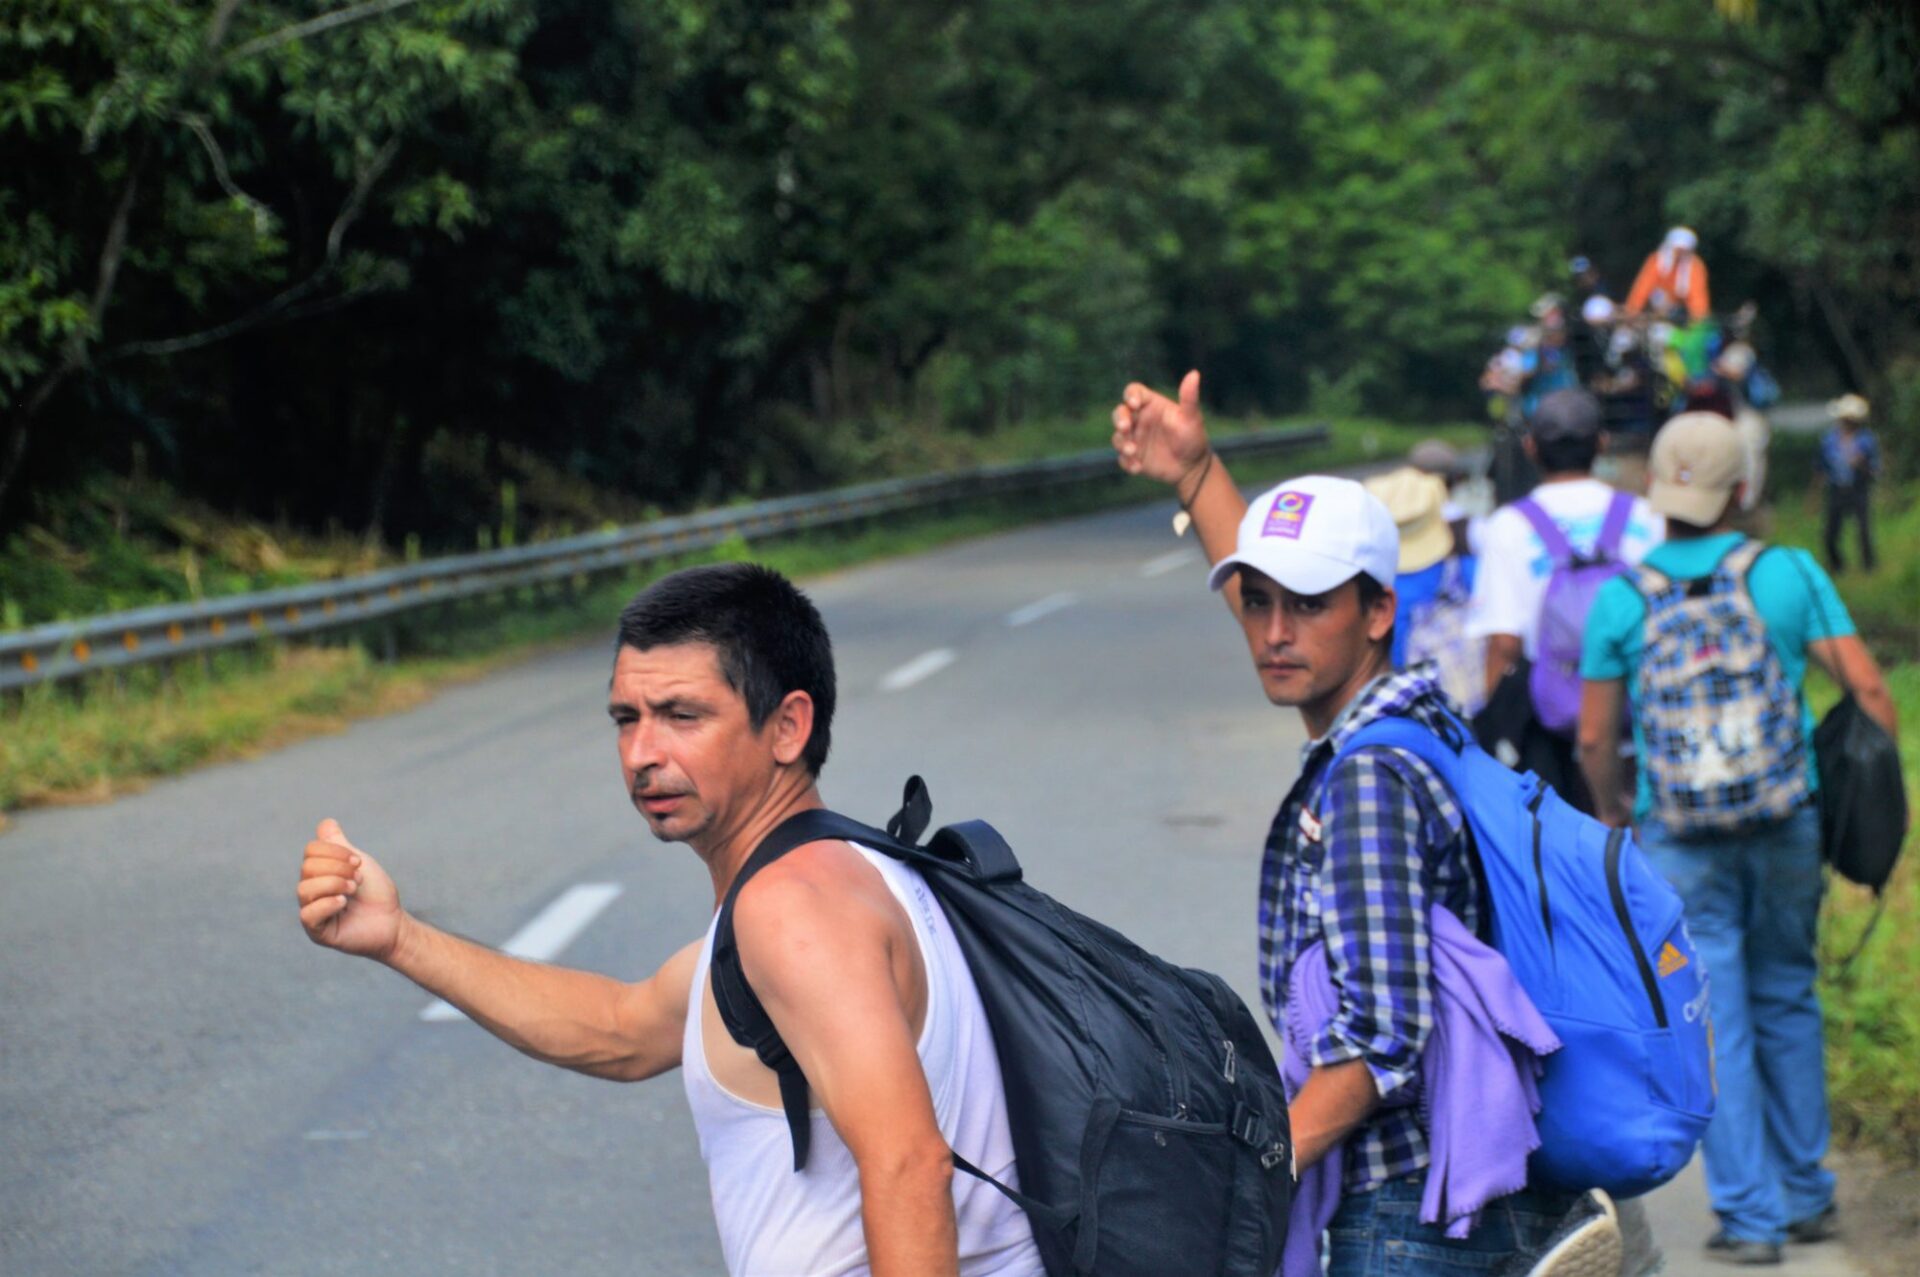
[(792, 726), (1381, 615)]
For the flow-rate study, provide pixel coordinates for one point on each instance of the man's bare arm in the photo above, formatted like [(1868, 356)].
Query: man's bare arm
[(1849, 663), (579, 1020), (1166, 439), (576, 1019), (1335, 1099), (821, 958), (1602, 705)]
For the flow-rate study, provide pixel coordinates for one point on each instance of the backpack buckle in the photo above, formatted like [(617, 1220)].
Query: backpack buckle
[(1249, 1127)]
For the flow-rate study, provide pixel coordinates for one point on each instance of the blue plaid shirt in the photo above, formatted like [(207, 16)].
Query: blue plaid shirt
[(1386, 842)]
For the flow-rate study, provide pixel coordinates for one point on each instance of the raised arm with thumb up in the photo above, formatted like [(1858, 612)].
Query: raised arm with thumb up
[(1161, 438), (347, 901)]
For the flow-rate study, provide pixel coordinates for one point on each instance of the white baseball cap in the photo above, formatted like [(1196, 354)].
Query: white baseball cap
[(1682, 237), (1312, 534)]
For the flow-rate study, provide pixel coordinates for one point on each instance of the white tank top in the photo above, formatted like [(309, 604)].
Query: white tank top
[(775, 1222)]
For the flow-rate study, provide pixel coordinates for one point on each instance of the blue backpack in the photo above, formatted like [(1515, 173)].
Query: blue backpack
[(1596, 938)]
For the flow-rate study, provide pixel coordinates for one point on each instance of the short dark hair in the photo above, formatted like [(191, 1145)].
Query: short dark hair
[(768, 636), (1565, 455)]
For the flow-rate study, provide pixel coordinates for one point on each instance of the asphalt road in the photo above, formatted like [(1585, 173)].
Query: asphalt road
[(188, 1086)]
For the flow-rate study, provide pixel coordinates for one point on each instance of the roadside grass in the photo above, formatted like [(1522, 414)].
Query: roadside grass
[(1872, 1008), (113, 733)]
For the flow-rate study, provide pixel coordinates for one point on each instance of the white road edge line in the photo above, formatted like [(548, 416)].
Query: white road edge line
[(551, 930), (1166, 563), (1041, 607), (923, 666)]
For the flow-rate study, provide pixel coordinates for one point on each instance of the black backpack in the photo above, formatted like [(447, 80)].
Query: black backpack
[(1149, 1121)]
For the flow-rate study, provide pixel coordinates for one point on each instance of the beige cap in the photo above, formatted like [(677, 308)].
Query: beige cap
[(1696, 463), (1849, 408), (1416, 500)]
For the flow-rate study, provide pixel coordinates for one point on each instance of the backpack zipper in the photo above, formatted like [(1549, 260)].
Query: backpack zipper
[(1615, 841)]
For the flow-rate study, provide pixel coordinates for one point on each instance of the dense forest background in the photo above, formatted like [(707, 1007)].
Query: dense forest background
[(355, 263)]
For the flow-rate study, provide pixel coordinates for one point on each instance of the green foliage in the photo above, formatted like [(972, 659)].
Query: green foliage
[(298, 254)]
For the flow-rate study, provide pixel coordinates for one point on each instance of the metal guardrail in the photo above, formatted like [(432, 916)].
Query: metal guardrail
[(68, 649)]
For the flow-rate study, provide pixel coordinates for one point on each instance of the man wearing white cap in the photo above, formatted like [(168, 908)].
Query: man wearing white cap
[(1673, 279), (1849, 462), (1711, 638), (1307, 570)]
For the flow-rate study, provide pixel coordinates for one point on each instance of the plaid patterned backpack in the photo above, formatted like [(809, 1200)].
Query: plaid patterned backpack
[(1720, 723)]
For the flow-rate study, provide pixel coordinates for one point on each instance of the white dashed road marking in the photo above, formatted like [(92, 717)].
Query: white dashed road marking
[(552, 930), (1043, 607), (921, 667), (1167, 563)]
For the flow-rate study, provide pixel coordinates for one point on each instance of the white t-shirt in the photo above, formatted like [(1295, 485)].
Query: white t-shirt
[(1510, 579)]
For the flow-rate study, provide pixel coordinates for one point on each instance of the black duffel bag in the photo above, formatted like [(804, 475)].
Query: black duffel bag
[(1863, 796)]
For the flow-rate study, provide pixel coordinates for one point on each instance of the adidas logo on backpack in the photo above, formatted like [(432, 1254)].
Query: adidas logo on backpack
[(1719, 721)]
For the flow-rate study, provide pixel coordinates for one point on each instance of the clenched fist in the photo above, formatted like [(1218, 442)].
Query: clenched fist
[(347, 902)]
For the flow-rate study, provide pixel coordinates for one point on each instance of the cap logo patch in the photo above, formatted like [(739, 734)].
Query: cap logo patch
[(1288, 515), (1685, 475)]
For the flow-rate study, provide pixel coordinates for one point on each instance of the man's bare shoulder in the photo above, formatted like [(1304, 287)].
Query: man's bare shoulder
[(814, 893)]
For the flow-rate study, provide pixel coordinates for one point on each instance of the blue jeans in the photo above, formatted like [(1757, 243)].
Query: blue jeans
[(1753, 902), (1378, 1233)]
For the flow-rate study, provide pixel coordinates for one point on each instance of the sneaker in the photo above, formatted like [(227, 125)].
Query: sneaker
[(1726, 1249), (1586, 1243), (1816, 1228)]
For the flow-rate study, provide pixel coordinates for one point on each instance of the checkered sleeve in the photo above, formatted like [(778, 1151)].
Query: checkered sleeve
[(1373, 913)]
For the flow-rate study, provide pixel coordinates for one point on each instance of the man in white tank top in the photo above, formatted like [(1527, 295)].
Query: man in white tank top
[(722, 700)]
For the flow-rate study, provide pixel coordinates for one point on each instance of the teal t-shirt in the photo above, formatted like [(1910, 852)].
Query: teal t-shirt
[(1794, 596)]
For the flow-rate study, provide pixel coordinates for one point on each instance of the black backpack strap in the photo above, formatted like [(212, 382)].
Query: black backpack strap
[(746, 1019)]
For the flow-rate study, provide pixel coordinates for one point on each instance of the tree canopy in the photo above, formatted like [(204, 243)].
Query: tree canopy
[(348, 261)]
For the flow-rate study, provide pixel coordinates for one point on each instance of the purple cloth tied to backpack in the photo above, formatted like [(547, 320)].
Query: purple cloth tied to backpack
[(1478, 1089), (1555, 679)]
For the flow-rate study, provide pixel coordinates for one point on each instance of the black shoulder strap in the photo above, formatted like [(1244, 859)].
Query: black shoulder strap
[(747, 1021), (975, 845)]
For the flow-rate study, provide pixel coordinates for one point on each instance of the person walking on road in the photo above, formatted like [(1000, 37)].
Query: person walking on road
[(1850, 462), (1569, 524), (1433, 587), (1357, 856), (1672, 283), (1710, 641), (722, 702)]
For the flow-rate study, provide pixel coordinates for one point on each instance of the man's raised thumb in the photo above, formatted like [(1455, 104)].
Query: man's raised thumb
[(1190, 390), (330, 831)]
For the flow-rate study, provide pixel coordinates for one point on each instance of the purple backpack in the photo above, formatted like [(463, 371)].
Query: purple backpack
[(1555, 680)]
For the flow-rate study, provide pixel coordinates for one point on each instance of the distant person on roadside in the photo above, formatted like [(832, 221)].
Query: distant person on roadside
[(1434, 586), (1709, 641), (722, 702), (1540, 560), (1357, 857), (1589, 331), (1584, 279), (1672, 283), (1550, 364), (1736, 367), (1849, 462), (1442, 460)]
